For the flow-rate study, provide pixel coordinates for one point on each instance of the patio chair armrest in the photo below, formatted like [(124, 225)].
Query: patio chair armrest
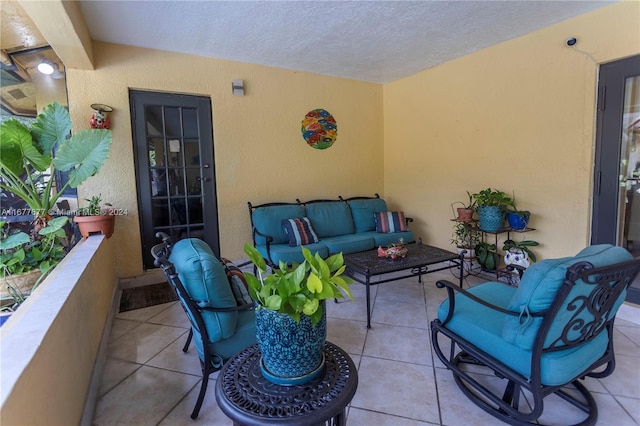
[(452, 289)]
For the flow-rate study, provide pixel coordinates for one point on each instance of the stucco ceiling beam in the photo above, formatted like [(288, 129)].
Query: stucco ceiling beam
[(63, 26)]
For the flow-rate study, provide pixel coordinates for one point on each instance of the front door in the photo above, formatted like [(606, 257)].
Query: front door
[(175, 173), (616, 198)]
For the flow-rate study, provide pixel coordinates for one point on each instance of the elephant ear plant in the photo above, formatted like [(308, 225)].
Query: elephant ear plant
[(31, 156), (298, 289)]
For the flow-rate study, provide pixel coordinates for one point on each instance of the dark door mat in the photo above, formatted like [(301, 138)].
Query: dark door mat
[(146, 295)]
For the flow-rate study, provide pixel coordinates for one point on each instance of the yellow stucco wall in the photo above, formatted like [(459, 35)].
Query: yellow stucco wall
[(518, 116), (259, 151)]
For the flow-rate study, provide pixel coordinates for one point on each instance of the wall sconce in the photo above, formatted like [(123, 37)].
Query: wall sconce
[(237, 87), (100, 119)]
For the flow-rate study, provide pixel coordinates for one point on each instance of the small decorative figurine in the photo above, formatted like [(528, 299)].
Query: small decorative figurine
[(100, 119)]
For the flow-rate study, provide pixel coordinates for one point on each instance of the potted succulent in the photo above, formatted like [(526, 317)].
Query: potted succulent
[(464, 213), (491, 205), (465, 237), (291, 315), (519, 252), (94, 218)]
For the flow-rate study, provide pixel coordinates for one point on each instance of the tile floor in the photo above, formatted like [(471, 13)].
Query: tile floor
[(148, 380)]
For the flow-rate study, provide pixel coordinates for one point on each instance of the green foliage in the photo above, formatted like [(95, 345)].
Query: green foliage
[(487, 255), (19, 253), (522, 245), (298, 289), (28, 155), (94, 208), (492, 197), (465, 235)]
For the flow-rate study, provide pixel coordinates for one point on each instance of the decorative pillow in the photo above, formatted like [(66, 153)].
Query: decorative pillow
[(299, 231), (238, 283), (387, 222)]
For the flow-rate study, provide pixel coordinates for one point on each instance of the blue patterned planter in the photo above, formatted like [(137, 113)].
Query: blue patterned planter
[(491, 218), (517, 222), (291, 351)]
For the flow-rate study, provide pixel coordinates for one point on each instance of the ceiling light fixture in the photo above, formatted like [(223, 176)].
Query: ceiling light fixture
[(45, 68)]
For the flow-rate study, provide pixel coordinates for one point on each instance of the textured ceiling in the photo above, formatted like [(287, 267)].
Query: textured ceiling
[(376, 41)]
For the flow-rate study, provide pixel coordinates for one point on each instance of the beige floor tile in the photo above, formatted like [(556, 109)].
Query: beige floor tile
[(145, 313), (399, 313), (142, 343), (114, 372), (397, 388), (174, 316), (358, 417), (120, 327), (172, 358), (397, 343), (347, 334), (625, 380), (631, 406), (408, 290), (143, 398), (348, 310), (210, 413)]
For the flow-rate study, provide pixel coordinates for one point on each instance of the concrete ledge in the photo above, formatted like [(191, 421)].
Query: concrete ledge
[(51, 344)]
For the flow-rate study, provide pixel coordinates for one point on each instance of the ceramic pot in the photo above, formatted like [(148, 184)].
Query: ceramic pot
[(101, 224), (517, 222), (491, 218), (291, 351), (516, 256), (464, 214)]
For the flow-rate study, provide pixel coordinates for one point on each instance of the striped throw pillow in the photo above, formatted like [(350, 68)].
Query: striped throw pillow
[(299, 231), (387, 222)]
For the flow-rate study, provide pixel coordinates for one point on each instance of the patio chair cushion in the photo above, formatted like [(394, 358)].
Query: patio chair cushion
[(299, 231), (268, 221), (290, 255), (389, 222), (349, 243), (556, 367), (363, 210), (330, 218), (205, 279), (539, 286)]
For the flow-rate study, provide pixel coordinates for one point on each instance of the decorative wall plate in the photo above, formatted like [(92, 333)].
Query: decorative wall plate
[(319, 129)]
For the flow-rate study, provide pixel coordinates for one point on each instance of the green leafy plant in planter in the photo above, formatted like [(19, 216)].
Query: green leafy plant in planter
[(491, 205), (487, 256), (465, 237), (519, 252), (94, 218), (518, 219), (24, 262), (290, 306), (464, 213)]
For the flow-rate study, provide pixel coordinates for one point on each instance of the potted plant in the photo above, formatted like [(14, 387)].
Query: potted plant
[(465, 237), (487, 256), (464, 213), (518, 219), (491, 205), (25, 262), (290, 313), (519, 252), (94, 218)]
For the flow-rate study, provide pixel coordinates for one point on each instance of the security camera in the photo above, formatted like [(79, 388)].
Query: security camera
[(571, 41)]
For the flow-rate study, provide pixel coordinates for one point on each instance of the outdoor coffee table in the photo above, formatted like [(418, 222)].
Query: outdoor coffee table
[(364, 265)]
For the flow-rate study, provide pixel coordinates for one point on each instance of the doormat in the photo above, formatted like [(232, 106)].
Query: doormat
[(146, 295)]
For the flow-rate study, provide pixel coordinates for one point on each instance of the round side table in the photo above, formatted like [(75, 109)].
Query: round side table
[(248, 398)]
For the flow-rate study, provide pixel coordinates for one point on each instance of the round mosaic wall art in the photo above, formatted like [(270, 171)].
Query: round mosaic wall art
[(319, 129)]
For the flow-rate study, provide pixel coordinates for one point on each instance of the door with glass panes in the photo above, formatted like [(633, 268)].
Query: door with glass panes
[(175, 172)]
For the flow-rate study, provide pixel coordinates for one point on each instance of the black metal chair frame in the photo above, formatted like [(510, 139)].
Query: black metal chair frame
[(608, 283), (211, 362)]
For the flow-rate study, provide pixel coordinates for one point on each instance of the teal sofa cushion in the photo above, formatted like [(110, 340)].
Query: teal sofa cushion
[(383, 240), (330, 218), (290, 255), (268, 220), (556, 367), (346, 244), (538, 289), (205, 279), (362, 212)]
